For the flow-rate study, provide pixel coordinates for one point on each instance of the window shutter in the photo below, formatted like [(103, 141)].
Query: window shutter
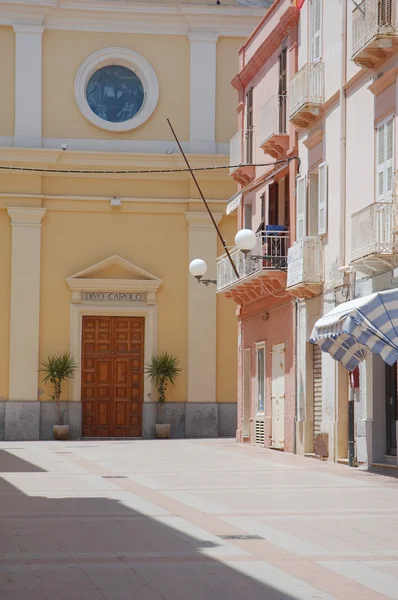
[(248, 215), (301, 207), (380, 162), (389, 158), (385, 159), (316, 18), (322, 198)]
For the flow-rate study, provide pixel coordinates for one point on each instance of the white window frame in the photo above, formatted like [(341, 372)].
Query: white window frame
[(260, 346), (301, 216), (247, 206), (386, 196), (125, 58), (323, 196), (315, 58)]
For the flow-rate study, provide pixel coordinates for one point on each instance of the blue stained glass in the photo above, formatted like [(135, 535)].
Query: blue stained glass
[(115, 94)]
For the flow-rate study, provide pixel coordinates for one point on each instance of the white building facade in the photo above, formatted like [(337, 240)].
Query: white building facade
[(344, 104)]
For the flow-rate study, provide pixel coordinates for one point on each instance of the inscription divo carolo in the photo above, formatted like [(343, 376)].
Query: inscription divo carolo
[(114, 297)]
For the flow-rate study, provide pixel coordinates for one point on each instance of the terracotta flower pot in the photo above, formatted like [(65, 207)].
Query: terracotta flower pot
[(61, 432), (162, 431)]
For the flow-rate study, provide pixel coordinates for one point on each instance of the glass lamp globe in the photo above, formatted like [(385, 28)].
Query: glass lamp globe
[(198, 268), (245, 240)]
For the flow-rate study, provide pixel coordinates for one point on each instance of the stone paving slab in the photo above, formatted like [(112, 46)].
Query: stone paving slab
[(191, 520)]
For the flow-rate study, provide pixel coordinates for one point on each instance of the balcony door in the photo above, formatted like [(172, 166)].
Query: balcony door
[(273, 204), (391, 409), (282, 92), (249, 127), (278, 396)]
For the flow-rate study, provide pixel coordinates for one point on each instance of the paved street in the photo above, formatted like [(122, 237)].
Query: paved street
[(166, 520)]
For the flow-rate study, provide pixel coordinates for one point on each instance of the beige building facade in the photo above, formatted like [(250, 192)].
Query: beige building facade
[(94, 254)]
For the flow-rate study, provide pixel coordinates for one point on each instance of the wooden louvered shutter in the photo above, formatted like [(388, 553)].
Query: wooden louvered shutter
[(385, 159), (317, 389), (301, 200), (316, 26), (389, 158), (322, 198)]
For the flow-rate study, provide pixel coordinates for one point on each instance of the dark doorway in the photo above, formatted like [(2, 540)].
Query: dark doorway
[(273, 201), (391, 409)]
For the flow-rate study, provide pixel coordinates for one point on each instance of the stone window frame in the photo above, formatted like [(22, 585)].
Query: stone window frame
[(125, 58)]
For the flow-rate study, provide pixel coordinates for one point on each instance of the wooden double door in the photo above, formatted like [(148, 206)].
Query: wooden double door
[(112, 376)]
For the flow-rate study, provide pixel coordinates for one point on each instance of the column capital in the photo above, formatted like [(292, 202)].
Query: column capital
[(203, 36), (26, 216), (28, 27), (201, 220)]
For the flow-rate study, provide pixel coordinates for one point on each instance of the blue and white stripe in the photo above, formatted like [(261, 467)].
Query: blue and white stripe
[(369, 322)]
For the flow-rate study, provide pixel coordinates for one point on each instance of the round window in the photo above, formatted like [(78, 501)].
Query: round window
[(115, 94), (116, 89)]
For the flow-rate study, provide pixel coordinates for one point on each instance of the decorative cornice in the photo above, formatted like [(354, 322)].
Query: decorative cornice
[(113, 285), (384, 82), (26, 216), (203, 36), (139, 279), (128, 199), (269, 45), (314, 139), (28, 27), (41, 158), (201, 220), (134, 17)]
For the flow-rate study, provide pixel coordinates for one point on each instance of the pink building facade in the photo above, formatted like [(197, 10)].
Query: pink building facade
[(264, 164)]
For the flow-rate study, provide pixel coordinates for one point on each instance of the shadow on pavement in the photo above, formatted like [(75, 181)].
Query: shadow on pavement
[(96, 548)]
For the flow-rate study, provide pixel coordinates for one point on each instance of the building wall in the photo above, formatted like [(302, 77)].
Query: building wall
[(276, 329), (169, 56), (259, 72), (364, 107), (65, 220)]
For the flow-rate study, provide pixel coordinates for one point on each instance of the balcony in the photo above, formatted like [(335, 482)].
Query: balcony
[(262, 271), (374, 33), (237, 159), (305, 271), (307, 91), (372, 237), (274, 138)]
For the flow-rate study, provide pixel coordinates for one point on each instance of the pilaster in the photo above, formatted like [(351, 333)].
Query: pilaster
[(203, 92), (28, 84), (202, 309), (25, 302)]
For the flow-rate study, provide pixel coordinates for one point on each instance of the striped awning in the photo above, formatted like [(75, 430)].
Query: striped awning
[(369, 322), (234, 202)]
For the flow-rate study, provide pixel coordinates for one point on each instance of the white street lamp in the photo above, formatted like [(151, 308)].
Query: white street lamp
[(245, 240), (198, 268)]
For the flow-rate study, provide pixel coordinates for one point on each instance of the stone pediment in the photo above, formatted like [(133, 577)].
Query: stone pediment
[(114, 274)]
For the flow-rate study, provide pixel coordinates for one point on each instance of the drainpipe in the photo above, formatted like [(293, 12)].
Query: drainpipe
[(351, 399), (343, 211), (343, 132), (352, 462), (296, 351)]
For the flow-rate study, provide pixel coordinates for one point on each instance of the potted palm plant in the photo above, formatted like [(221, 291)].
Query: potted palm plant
[(58, 369), (162, 369)]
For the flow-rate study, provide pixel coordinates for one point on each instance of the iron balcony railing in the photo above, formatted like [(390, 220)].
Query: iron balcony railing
[(273, 118), (307, 87), (371, 18), (269, 254), (372, 231), (305, 262)]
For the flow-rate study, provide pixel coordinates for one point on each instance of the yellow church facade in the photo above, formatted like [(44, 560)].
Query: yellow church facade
[(94, 250)]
